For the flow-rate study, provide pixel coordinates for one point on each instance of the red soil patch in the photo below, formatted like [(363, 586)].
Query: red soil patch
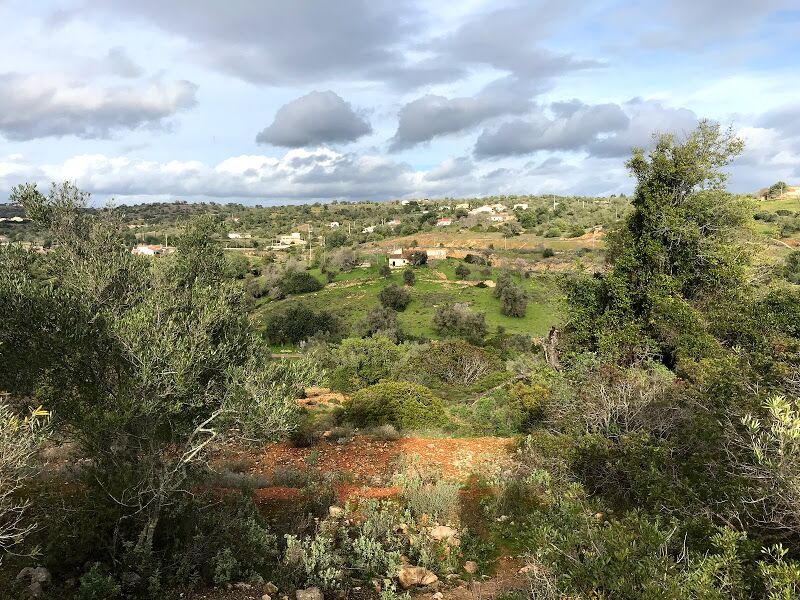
[(365, 458)]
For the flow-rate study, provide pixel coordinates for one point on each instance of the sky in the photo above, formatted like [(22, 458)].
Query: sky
[(265, 102)]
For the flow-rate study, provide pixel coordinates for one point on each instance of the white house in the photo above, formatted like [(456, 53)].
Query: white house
[(334, 225), (444, 222), (463, 205), (148, 249), (370, 229), (393, 223), (233, 235), (293, 239), (521, 206), (501, 218), (485, 209), (397, 258)]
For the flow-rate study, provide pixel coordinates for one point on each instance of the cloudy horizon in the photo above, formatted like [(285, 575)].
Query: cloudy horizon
[(264, 102)]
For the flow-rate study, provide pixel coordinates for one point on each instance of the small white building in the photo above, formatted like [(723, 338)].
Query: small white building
[(148, 249), (397, 259), (334, 225), (463, 205), (521, 206), (293, 239), (233, 235), (445, 222), (501, 217), (370, 229), (485, 209)]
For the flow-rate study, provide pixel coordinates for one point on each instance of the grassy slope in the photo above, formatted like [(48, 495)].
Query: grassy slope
[(353, 294)]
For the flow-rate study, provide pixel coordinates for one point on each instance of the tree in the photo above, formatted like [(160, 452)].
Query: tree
[(143, 361), (462, 271), (460, 321), (297, 323), (513, 301), (299, 282), (409, 278), (380, 320), (776, 190), (385, 270), (677, 246), (418, 258), (395, 297)]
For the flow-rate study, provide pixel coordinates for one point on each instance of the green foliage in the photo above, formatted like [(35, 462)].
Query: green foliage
[(776, 190), (450, 362), (404, 405), (791, 269), (395, 297), (299, 282), (462, 271), (460, 321), (297, 322), (409, 278), (357, 363), (97, 585)]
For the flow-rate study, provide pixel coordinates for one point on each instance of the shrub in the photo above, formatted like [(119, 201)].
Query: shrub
[(385, 271), (431, 496), (475, 259), (408, 277), (460, 321), (462, 271), (418, 258), (548, 252), (395, 297), (299, 282), (380, 320), (358, 363), (299, 322), (451, 362), (513, 301), (402, 404)]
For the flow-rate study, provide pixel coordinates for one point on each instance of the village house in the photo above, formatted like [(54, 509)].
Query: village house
[(521, 206), (148, 249), (393, 223), (293, 239), (398, 258), (334, 225), (462, 206), (233, 235), (444, 222), (501, 218), (485, 209), (370, 229)]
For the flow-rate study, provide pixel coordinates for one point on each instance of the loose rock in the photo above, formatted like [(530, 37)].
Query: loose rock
[(312, 593), (410, 576), (471, 567)]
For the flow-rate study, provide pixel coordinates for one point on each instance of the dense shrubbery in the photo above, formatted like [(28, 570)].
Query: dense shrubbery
[(450, 362), (459, 320), (404, 405), (358, 363), (297, 323), (299, 282), (395, 297)]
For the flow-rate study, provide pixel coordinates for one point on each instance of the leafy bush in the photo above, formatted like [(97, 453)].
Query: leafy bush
[(299, 282), (429, 496), (513, 301), (409, 278), (395, 297), (357, 363), (404, 405), (380, 320), (298, 322), (460, 321), (462, 271), (451, 362)]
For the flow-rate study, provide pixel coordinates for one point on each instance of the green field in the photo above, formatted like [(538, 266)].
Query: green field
[(353, 294)]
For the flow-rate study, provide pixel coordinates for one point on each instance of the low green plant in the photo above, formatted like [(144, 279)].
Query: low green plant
[(401, 404)]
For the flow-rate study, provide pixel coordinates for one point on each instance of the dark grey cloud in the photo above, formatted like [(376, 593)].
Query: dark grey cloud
[(433, 116), (313, 119), (279, 43), (36, 106), (574, 127)]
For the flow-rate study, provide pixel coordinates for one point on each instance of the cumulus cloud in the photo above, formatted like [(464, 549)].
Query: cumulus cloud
[(450, 169), (36, 106), (313, 119), (785, 120), (604, 130), (433, 116), (574, 126)]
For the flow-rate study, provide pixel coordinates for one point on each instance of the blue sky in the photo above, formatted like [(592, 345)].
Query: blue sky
[(264, 102)]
